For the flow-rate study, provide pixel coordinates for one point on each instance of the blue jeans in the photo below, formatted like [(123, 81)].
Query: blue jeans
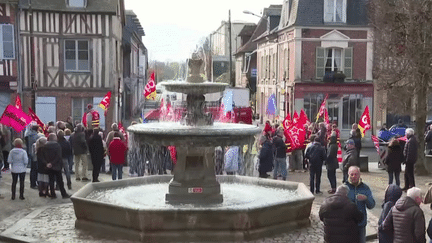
[(331, 175), (70, 163), (396, 175), (67, 171), (280, 167), (115, 169), (362, 234), (315, 174)]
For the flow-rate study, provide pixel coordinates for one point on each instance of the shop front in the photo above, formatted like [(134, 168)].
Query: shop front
[(345, 103)]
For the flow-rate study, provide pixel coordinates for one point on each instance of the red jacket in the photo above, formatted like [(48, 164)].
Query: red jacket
[(117, 150)]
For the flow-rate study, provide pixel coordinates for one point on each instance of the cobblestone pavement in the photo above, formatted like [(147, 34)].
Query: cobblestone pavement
[(52, 220)]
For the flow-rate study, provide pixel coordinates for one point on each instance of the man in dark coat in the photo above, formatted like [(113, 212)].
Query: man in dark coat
[(410, 155), (96, 150), (332, 163), (316, 155), (340, 217), (79, 147), (350, 159), (52, 158), (406, 219), (280, 160), (265, 158)]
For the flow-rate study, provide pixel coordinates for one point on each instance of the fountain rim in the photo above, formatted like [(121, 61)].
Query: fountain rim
[(226, 179)]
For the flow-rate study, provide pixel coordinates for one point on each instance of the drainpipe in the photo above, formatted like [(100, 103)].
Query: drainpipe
[(20, 75)]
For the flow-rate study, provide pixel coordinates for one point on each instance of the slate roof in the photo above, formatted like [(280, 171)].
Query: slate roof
[(250, 46), (311, 13), (247, 30), (93, 6)]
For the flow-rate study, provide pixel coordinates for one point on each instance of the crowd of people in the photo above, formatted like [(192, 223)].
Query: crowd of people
[(57, 149)]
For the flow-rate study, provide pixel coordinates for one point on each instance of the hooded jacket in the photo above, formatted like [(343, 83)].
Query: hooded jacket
[(394, 158), (407, 221), (331, 161), (340, 217), (392, 194)]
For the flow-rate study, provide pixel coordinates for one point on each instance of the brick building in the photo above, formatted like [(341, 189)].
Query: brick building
[(322, 47)]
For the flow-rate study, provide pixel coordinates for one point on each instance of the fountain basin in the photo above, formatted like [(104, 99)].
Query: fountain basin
[(182, 223), (173, 133)]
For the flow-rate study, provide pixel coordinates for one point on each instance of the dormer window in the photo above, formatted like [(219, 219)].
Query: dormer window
[(76, 3), (335, 11)]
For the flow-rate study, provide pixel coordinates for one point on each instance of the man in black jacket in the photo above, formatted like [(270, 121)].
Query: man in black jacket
[(52, 158), (316, 155), (96, 150), (280, 160), (340, 217), (410, 155)]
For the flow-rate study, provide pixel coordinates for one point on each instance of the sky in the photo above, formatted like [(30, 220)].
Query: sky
[(173, 28)]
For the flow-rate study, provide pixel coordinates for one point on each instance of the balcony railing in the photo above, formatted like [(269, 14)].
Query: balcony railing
[(334, 77)]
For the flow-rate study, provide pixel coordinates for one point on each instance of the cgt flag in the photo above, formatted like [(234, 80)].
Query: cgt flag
[(364, 124), (150, 88), (35, 118), (376, 143), (15, 118), (323, 110), (18, 102), (106, 101)]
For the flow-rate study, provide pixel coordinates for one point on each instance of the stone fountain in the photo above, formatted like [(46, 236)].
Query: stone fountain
[(194, 208)]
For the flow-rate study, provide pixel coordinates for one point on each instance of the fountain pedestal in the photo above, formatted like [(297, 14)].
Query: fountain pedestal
[(194, 179)]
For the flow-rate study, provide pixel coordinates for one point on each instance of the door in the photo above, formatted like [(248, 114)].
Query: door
[(46, 109)]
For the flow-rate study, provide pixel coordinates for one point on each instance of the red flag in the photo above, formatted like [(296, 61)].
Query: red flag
[(123, 131), (106, 101), (295, 117), (15, 118), (364, 124), (287, 122), (322, 109), (18, 102), (304, 118), (35, 118), (150, 88), (376, 143)]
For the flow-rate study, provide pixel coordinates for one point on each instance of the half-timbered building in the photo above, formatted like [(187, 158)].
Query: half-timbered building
[(77, 52), (134, 67)]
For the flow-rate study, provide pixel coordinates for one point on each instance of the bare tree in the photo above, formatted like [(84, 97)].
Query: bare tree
[(403, 58)]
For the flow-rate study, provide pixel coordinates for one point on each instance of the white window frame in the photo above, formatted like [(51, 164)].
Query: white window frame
[(330, 14), (341, 68), (75, 3), (76, 57), (3, 42)]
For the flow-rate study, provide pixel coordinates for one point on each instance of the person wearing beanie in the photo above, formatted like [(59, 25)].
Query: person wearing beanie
[(350, 159)]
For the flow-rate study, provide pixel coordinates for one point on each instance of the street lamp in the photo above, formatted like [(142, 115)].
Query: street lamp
[(251, 13)]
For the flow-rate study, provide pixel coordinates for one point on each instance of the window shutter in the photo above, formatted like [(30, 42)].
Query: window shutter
[(1, 42), (7, 41), (348, 62), (320, 62)]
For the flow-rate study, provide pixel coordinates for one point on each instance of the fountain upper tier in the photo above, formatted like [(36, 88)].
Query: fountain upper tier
[(195, 88), (173, 133)]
